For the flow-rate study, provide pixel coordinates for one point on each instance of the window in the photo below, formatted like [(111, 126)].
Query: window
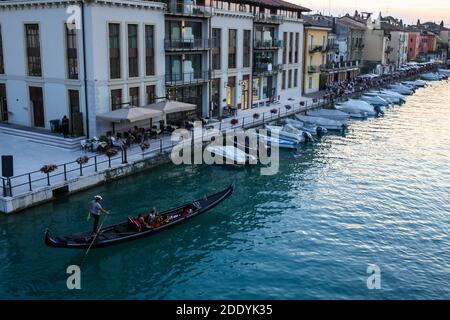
[(114, 51), (311, 41), (134, 97), (2, 67), (33, 50), (72, 53), (232, 42), (297, 42), (291, 47), (216, 52), (283, 80), (133, 65), (290, 79), (285, 40), (151, 94), (247, 52), (295, 78), (149, 51), (74, 107), (116, 99), (310, 81)]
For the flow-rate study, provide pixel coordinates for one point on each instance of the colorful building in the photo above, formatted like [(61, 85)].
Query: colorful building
[(315, 51)]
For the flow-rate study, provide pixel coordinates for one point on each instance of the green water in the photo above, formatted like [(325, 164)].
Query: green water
[(379, 195)]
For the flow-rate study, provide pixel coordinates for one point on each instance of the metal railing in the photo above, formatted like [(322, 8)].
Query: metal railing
[(187, 44), (268, 44), (36, 180), (313, 69), (315, 48), (188, 9), (266, 69), (340, 65), (268, 18), (173, 79)]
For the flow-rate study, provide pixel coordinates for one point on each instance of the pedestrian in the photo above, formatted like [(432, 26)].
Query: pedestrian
[(65, 126)]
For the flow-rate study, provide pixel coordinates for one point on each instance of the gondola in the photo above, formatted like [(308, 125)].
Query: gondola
[(125, 232)]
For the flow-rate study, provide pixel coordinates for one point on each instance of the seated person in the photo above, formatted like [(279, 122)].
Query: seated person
[(142, 222)]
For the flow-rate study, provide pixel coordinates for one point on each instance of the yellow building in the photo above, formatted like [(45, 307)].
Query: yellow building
[(315, 51)]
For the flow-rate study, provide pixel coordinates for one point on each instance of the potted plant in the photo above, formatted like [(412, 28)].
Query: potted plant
[(288, 107), (82, 160), (256, 116), (274, 111), (302, 103), (234, 121), (144, 146), (110, 153), (48, 168)]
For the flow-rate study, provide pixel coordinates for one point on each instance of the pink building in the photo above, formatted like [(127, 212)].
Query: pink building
[(414, 45)]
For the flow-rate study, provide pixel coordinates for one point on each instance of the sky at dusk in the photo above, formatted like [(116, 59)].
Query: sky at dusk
[(409, 10)]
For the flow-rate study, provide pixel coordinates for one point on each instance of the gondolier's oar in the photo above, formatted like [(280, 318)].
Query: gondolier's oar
[(95, 238)]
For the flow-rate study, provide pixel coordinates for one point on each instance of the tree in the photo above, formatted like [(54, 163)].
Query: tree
[(442, 23), (418, 22)]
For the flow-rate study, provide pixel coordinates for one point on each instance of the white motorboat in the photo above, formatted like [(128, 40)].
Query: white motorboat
[(360, 105), (401, 89), (445, 72), (289, 132), (231, 155), (332, 114), (431, 77), (280, 143), (323, 122), (306, 127), (375, 100), (392, 96), (417, 84)]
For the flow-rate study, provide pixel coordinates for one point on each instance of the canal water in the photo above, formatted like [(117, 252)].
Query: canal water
[(379, 195)]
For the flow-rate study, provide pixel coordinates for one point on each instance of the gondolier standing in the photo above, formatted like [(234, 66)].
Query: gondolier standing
[(95, 208)]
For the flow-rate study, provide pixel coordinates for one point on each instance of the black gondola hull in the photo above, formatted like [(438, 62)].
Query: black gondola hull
[(108, 236)]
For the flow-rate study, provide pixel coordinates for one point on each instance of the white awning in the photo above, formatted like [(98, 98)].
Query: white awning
[(130, 115), (167, 107)]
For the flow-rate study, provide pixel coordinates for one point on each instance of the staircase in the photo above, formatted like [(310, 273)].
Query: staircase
[(42, 136)]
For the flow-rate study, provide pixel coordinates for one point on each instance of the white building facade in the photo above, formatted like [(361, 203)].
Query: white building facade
[(133, 53)]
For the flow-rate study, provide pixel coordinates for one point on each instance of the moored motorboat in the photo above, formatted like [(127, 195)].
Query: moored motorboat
[(332, 114), (289, 133), (231, 154), (280, 143), (307, 127), (401, 89), (360, 105), (431, 76), (323, 122), (375, 100), (132, 229)]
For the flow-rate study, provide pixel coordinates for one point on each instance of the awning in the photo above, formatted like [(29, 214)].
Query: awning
[(130, 115), (168, 106)]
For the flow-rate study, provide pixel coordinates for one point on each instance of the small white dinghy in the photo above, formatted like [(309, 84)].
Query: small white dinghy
[(417, 84), (445, 72), (280, 143), (375, 100), (401, 89), (323, 122), (231, 155), (431, 77), (332, 114)]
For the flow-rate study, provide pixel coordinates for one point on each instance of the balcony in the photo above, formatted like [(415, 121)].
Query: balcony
[(266, 69), (180, 79), (333, 47), (313, 49), (268, 18), (268, 44), (340, 66), (182, 9), (190, 44), (313, 69)]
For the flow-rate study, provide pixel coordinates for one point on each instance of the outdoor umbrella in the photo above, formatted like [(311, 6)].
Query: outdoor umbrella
[(169, 106), (130, 115)]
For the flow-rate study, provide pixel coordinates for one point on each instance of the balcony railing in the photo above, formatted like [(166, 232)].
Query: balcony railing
[(333, 47), (268, 44), (175, 79), (188, 9), (187, 44), (313, 49), (268, 18), (341, 65), (313, 69), (266, 69)]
